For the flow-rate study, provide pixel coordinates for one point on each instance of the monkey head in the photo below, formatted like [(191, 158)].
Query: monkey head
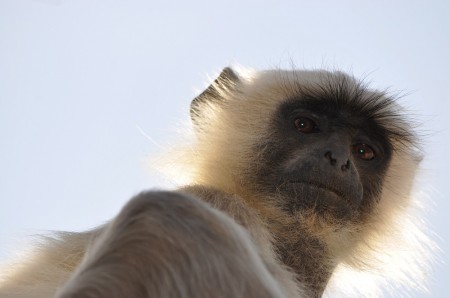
[(315, 142)]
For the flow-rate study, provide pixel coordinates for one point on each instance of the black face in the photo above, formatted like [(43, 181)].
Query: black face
[(326, 157)]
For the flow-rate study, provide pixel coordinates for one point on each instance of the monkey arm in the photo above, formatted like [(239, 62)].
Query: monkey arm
[(170, 244)]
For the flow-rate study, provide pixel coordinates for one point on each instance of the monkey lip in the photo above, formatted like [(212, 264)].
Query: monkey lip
[(321, 186)]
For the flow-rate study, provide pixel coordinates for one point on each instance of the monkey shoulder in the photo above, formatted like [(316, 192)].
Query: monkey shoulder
[(232, 205)]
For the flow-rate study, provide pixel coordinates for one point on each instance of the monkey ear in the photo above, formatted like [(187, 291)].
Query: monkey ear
[(225, 81)]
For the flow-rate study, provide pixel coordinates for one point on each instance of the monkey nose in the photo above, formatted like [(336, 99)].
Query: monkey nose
[(341, 160)]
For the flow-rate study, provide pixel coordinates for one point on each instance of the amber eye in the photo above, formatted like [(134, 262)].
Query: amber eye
[(305, 125), (363, 151)]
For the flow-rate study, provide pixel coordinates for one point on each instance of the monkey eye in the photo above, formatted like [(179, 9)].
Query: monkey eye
[(363, 151), (305, 125)]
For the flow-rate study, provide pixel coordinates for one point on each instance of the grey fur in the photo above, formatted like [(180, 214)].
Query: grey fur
[(169, 244)]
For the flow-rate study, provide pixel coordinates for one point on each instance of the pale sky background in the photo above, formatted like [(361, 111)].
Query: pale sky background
[(81, 80)]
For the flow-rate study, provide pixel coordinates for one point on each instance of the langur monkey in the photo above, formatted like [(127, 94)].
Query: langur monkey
[(293, 177)]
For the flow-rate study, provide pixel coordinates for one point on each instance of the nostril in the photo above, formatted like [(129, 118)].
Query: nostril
[(346, 166), (330, 158)]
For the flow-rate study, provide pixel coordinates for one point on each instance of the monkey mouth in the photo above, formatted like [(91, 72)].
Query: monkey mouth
[(322, 199), (323, 187)]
